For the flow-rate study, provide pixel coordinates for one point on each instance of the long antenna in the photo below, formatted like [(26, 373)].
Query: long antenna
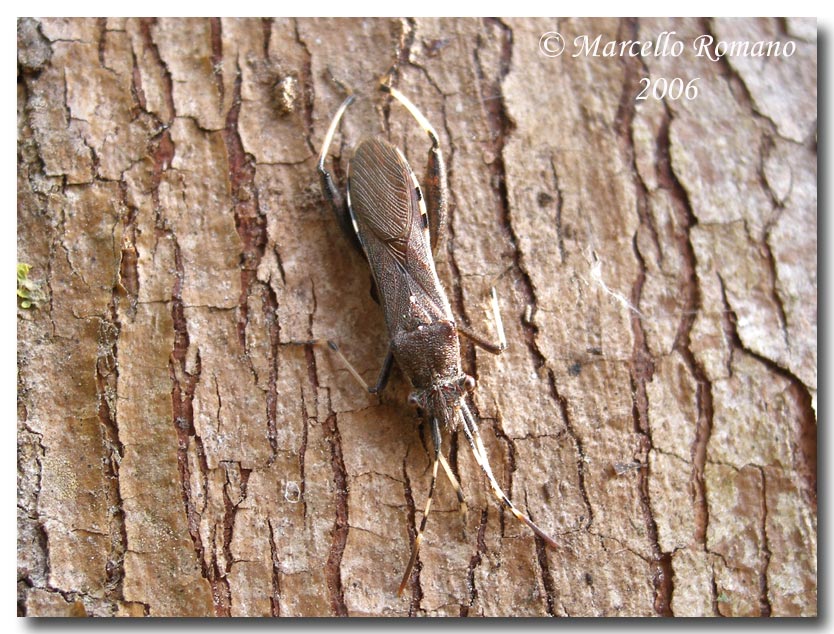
[(470, 429), (328, 138)]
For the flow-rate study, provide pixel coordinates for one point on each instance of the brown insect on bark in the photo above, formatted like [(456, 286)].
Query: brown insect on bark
[(398, 226)]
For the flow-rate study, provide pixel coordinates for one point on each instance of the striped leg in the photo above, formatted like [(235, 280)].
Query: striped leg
[(481, 342), (435, 181), (331, 345), (328, 186), (470, 429), (383, 373)]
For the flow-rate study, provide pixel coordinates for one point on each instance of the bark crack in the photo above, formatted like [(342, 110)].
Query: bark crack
[(332, 570), (275, 596), (690, 293), (475, 562), (763, 244), (221, 588), (183, 386), (107, 372), (216, 29), (250, 222), (805, 443), (307, 80), (340, 530), (411, 511), (145, 25), (270, 308), (764, 599), (641, 365), (581, 459), (547, 576), (545, 199), (738, 86), (501, 126)]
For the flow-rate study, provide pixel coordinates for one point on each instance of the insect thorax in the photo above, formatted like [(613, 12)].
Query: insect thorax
[(429, 354)]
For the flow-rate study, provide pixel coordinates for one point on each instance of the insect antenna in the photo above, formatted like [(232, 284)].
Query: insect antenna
[(428, 128), (458, 491), (331, 131), (435, 433), (470, 430)]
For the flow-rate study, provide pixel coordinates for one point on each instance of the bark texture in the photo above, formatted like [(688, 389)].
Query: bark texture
[(180, 453)]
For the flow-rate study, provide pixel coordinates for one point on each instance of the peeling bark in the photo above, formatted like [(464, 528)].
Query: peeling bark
[(181, 451)]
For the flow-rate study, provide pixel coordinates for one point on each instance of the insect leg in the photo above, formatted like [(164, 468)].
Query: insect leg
[(437, 196), (481, 342), (328, 186), (435, 182), (470, 429), (384, 373), (435, 433), (331, 345)]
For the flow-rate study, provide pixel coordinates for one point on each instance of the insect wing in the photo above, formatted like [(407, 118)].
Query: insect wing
[(389, 217), (379, 195)]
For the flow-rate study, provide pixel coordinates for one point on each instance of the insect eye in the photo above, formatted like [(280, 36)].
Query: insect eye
[(468, 383)]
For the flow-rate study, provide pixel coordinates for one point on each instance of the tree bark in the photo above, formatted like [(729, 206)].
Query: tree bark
[(181, 451)]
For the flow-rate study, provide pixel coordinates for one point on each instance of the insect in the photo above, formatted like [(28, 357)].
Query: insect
[(398, 226)]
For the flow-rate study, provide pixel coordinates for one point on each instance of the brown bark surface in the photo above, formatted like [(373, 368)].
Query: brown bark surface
[(180, 453)]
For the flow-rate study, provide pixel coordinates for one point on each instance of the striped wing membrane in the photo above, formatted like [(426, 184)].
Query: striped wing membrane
[(380, 193), (387, 209)]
